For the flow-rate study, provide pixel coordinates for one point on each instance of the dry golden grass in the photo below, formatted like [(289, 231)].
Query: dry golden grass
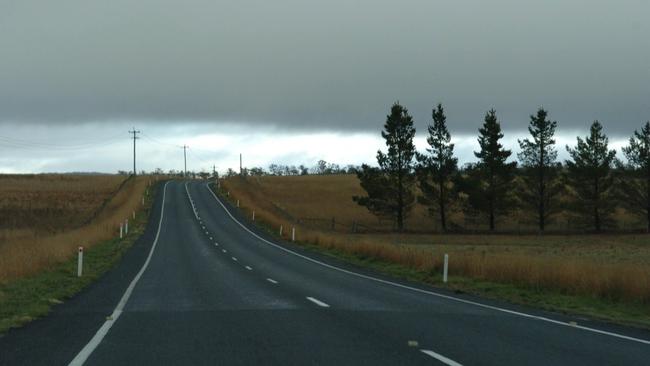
[(38, 205), (78, 195), (615, 267)]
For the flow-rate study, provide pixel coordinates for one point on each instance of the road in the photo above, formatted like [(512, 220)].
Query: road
[(203, 286)]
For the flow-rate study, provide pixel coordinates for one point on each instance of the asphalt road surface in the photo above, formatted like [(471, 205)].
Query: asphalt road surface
[(202, 286)]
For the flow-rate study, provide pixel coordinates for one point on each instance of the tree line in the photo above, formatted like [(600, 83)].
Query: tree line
[(591, 183)]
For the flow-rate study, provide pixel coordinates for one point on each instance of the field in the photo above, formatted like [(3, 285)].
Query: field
[(44, 218), (610, 267)]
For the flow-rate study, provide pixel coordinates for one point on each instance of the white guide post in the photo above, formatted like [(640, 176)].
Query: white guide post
[(445, 269), (80, 261)]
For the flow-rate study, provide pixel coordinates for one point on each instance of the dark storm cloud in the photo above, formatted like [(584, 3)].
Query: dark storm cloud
[(325, 65)]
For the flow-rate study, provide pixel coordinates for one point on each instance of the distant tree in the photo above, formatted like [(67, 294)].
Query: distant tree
[(489, 182), (257, 171), (635, 183), (303, 169), (230, 173), (589, 174), (390, 186), (436, 168), (321, 167), (276, 169), (540, 174)]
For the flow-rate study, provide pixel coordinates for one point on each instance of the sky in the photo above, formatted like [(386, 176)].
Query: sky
[(297, 81)]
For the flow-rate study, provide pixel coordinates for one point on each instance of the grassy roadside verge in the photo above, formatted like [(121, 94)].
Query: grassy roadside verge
[(620, 312), (28, 298)]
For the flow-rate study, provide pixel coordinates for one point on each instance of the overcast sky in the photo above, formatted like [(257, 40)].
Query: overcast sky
[(286, 81)]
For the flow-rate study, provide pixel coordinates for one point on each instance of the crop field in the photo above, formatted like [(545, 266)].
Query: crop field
[(611, 266), (44, 218)]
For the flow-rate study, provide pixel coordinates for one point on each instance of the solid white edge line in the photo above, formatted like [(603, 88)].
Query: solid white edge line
[(485, 306), (272, 281), (318, 302), (440, 358), (88, 349)]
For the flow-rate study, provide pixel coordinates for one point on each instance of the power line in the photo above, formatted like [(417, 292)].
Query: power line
[(39, 145)]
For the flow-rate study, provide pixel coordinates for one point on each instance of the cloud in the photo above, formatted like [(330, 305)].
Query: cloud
[(324, 65)]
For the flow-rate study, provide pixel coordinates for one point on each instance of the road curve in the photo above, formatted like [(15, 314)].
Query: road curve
[(202, 286)]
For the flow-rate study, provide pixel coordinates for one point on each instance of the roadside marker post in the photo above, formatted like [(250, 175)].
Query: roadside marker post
[(133, 214), (121, 230), (253, 215), (237, 203), (445, 269), (126, 227), (280, 230), (80, 261), (142, 200), (293, 233)]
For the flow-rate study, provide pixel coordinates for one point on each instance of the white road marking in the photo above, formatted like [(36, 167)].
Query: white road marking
[(235, 259), (440, 358), (223, 250), (272, 281), (318, 302), (248, 268), (457, 299), (88, 349), (192, 203), (216, 244), (210, 238)]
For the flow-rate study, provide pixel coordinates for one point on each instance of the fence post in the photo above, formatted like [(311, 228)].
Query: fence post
[(280, 230), (293, 233), (121, 230), (80, 261), (253, 215), (445, 269)]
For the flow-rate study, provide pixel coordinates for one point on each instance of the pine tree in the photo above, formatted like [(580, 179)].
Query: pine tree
[(590, 176), (436, 168), (390, 187), (538, 158), (635, 185), (493, 169)]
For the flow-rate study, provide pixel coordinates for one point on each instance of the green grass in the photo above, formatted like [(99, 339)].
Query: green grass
[(26, 299)]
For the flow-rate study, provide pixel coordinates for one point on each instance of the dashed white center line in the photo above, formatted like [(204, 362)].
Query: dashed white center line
[(216, 244), (440, 358), (211, 238), (272, 281), (318, 302), (249, 268), (235, 259), (223, 250)]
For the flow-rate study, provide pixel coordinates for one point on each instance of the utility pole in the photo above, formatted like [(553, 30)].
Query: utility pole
[(240, 165), (185, 160), (135, 137)]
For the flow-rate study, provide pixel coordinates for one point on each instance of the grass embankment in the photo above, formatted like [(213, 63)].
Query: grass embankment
[(603, 276), (24, 256), (50, 278)]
